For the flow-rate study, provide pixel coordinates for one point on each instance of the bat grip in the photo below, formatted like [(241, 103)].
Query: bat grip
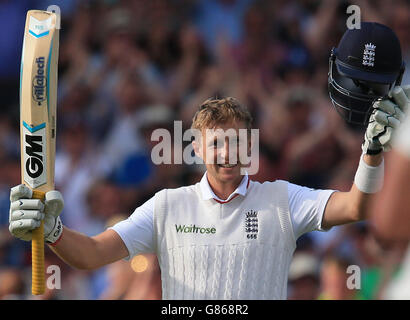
[(37, 254)]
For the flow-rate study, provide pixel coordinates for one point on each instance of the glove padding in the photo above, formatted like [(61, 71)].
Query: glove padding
[(26, 214), (385, 118)]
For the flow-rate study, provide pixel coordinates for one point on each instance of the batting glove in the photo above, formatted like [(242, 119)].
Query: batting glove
[(26, 214), (385, 119)]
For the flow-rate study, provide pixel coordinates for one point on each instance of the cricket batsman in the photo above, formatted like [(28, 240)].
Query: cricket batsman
[(228, 237)]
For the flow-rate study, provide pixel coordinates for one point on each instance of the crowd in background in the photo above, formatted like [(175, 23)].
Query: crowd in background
[(128, 67)]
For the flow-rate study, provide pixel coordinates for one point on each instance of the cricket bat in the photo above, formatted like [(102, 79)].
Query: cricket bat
[(38, 99)]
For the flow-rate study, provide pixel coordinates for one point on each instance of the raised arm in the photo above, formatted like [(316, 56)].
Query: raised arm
[(346, 207)]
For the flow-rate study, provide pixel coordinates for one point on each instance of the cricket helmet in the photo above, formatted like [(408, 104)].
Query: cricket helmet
[(363, 68)]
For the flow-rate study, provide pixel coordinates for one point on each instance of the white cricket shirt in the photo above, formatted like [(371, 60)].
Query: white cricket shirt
[(198, 236), (306, 212)]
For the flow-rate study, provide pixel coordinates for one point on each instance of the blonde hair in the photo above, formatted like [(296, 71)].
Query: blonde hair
[(220, 111)]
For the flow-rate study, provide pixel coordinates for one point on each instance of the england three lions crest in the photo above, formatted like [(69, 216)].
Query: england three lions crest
[(369, 54), (251, 224)]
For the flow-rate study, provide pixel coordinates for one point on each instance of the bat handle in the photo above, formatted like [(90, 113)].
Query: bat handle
[(37, 254)]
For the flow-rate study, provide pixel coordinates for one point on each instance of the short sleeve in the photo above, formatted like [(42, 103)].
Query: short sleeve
[(137, 232), (307, 207)]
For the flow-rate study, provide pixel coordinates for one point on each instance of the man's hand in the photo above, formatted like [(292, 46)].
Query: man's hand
[(26, 214), (385, 118)]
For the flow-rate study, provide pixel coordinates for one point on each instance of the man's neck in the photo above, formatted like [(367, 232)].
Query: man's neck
[(223, 189)]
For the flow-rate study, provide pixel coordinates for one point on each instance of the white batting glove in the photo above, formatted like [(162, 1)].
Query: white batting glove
[(26, 214), (384, 120)]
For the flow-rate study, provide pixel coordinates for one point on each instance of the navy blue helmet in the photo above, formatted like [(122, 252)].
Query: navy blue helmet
[(363, 68)]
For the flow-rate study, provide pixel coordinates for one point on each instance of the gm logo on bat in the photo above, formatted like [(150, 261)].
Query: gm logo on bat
[(34, 154), (39, 81)]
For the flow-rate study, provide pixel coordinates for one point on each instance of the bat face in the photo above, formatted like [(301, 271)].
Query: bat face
[(38, 96)]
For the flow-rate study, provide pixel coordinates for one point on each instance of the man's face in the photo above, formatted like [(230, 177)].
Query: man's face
[(220, 149)]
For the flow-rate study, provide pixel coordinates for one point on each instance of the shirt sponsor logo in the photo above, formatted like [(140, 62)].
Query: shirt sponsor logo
[(182, 228)]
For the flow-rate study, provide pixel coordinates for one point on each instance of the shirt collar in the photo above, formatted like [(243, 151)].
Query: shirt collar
[(208, 193)]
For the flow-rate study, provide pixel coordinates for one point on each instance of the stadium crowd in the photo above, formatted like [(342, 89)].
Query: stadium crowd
[(128, 67)]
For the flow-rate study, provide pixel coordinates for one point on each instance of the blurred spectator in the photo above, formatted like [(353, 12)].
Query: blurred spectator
[(104, 201), (146, 284), (75, 170), (378, 262), (304, 277), (12, 285), (309, 146), (123, 138), (12, 253), (138, 279), (333, 278), (400, 18), (137, 167), (127, 68), (220, 20)]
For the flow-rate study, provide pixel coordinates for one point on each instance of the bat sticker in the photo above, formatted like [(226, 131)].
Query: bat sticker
[(35, 168)]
